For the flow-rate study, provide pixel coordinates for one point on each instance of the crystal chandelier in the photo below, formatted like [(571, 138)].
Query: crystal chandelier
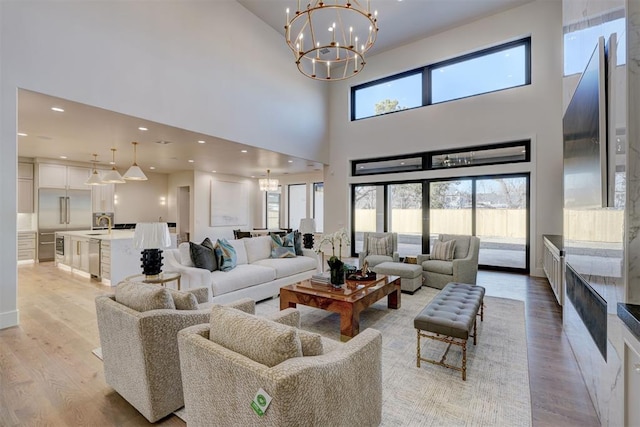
[(329, 40), (268, 184)]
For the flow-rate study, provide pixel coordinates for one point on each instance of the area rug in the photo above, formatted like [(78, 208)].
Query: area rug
[(496, 392)]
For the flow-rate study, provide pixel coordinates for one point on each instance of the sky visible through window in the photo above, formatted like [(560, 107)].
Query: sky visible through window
[(579, 45), (407, 90), (486, 73)]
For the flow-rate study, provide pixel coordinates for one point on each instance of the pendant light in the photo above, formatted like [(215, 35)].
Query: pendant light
[(268, 184), (113, 176), (135, 173), (94, 179)]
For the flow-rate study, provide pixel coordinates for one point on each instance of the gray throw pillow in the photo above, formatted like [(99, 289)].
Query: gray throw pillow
[(203, 255)]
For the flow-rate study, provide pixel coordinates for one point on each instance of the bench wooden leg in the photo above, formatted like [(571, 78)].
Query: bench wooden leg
[(418, 349), (464, 360), (442, 362), (475, 331)]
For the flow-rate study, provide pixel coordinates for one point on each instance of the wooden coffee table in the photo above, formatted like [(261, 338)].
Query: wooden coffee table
[(349, 301)]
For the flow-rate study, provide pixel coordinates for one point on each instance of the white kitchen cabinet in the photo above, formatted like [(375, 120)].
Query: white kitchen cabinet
[(105, 259), (61, 176), (76, 177), (553, 266), (80, 253), (25, 188), (102, 197), (26, 245)]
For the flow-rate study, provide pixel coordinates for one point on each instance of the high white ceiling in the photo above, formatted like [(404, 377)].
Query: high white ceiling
[(82, 130)]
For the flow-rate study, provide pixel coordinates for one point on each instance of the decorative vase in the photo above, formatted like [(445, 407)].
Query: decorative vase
[(337, 277)]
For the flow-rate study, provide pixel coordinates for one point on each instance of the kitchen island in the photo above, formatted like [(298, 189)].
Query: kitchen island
[(103, 255)]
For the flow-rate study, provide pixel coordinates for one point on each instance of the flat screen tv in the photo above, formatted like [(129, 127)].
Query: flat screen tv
[(585, 137)]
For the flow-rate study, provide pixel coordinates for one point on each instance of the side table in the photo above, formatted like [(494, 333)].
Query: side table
[(162, 279)]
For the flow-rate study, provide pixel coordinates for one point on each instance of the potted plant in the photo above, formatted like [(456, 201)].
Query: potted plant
[(336, 265)]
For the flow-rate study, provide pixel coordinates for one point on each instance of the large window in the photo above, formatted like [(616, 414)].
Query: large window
[(273, 210), (297, 204), (318, 205), (405, 216), (497, 68)]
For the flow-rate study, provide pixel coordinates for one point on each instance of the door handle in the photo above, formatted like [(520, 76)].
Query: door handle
[(78, 247), (68, 208), (62, 209)]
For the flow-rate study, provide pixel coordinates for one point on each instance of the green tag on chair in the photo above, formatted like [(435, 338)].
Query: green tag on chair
[(260, 402)]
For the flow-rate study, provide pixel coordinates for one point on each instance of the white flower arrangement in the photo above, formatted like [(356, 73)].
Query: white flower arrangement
[(338, 238)]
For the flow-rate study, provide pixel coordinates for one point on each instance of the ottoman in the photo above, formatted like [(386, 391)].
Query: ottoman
[(410, 274)]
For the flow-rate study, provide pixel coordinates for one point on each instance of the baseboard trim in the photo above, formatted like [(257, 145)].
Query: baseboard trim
[(9, 319)]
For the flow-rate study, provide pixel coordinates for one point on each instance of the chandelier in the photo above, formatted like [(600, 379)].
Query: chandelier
[(329, 40), (268, 184)]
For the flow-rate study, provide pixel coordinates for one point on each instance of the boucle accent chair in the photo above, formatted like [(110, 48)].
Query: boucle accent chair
[(374, 255), (463, 268), (340, 387), (140, 347)]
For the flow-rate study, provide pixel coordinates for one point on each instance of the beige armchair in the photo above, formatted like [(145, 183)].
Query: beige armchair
[(140, 346), (339, 386), (463, 268), (373, 255)]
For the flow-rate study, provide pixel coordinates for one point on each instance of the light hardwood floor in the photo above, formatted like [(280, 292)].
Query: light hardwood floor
[(49, 377)]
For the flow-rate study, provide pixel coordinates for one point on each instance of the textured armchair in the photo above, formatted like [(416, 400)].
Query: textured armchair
[(376, 255), (463, 268), (342, 386), (140, 348)]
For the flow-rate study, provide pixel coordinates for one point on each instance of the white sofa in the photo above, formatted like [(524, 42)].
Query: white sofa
[(256, 276)]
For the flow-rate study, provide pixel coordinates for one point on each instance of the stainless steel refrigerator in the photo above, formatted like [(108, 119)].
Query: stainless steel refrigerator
[(60, 210)]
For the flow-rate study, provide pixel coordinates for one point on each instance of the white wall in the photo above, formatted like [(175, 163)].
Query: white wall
[(209, 67), (142, 201), (202, 205), (533, 111)]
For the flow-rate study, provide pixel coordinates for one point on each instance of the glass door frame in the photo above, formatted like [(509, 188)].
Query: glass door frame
[(426, 196)]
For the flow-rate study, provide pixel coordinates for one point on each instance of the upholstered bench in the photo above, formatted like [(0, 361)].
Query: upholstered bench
[(410, 274), (449, 318)]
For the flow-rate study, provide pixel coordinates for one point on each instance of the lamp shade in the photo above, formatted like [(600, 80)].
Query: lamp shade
[(151, 235), (135, 174), (113, 177), (307, 226), (94, 179)]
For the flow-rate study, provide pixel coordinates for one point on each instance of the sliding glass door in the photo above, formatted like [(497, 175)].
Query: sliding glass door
[(450, 208), (494, 208), (405, 216), (501, 221)]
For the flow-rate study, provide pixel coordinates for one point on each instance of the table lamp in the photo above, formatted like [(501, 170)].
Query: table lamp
[(307, 228), (151, 237)]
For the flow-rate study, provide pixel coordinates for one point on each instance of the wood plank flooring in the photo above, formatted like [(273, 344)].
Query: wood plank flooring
[(49, 377)]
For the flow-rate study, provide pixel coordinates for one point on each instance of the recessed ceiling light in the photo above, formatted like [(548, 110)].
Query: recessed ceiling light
[(142, 128), (201, 142), (290, 161), (152, 167), (190, 161), (213, 171), (402, 163), (112, 162), (58, 109), (24, 134), (243, 151), (253, 176), (63, 157)]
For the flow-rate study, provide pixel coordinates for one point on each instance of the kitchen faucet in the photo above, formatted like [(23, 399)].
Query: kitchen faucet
[(100, 218)]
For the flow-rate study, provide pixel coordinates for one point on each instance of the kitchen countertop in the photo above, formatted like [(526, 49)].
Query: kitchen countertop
[(100, 234)]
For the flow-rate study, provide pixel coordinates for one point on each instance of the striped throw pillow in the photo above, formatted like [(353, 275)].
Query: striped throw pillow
[(226, 255), (379, 246), (282, 248), (443, 250)]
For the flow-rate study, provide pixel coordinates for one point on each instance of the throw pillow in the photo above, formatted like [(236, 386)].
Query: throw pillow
[(379, 246), (184, 300), (203, 255), (226, 255), (443, 250), (280, 248), (297, 242), (143, 296), (261, 340), (185, 254)]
